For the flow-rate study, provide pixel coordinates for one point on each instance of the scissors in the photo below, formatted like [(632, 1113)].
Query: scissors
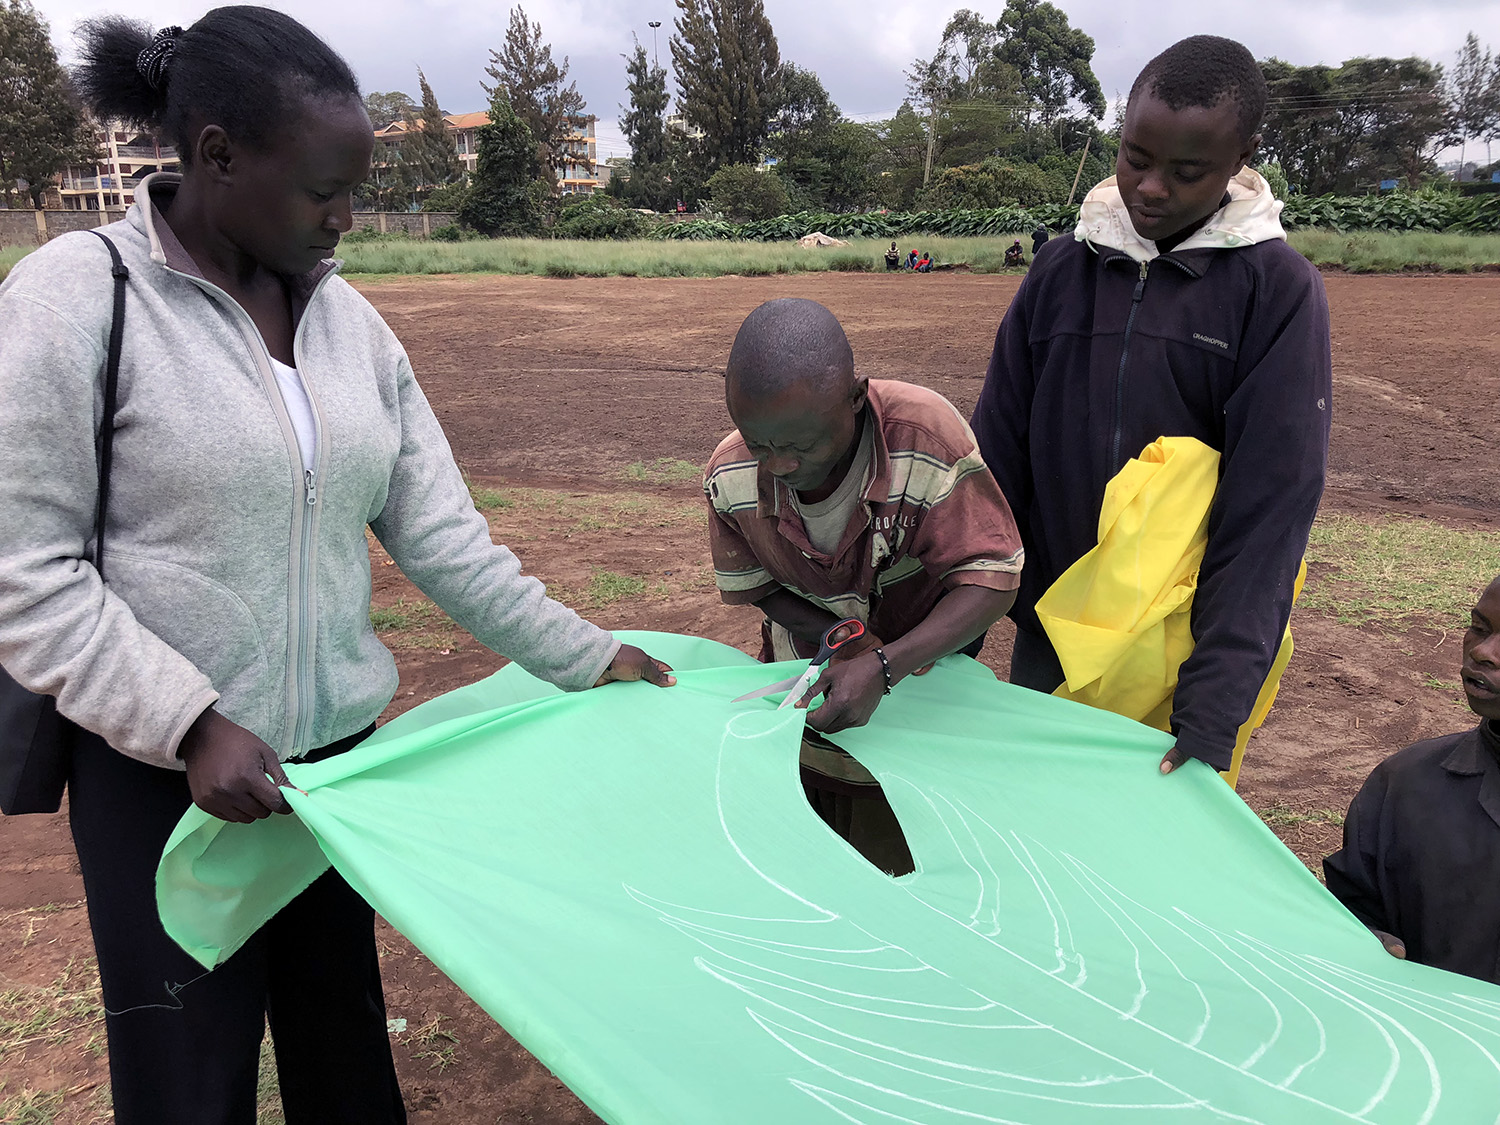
[(797, 686)]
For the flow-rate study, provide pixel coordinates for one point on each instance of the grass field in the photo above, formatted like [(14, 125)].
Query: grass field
[(1357, 251)]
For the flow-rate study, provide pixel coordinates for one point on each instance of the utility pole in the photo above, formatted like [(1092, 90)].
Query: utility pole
[(1079, 174), (655, 58), (931, 142)]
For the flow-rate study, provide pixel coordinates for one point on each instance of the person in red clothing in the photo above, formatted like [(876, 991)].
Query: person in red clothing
[(840, 496)]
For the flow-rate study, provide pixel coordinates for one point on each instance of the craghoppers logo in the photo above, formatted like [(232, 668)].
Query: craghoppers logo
[(1210, 340)]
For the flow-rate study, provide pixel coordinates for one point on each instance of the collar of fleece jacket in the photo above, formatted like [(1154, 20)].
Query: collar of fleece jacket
[(1253, 214)]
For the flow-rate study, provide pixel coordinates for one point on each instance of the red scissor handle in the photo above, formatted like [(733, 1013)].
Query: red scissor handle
[(830, 646)]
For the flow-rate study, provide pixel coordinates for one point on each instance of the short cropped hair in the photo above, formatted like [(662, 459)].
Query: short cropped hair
[(1203, 70)]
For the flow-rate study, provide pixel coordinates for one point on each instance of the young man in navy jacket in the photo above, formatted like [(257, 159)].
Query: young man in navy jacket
[(1177, 309)]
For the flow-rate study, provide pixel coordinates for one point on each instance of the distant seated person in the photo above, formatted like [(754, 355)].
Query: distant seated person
[(1422, 840), (911, 259), (1014, 255), (893, 258), (1039, 238), (839, 497), (924, 263)]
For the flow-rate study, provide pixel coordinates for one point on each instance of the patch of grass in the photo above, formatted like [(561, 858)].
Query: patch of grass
[(440, 1046), (1278, 815), (489, 499), (403, 615), (68, 1009), (1437, 683), (1396, 572), (29, 1107), (576, 511), (664, 470), (607, 587)]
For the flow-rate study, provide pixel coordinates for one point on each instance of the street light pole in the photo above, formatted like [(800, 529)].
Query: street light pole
[(655, 57)]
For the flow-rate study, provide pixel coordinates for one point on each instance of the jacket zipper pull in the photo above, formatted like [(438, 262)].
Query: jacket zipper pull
[(312, 487), (1144, 267)]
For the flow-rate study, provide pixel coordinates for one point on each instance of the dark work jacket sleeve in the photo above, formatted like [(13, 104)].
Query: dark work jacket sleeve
[(1002, 420), (1353, 872), (1276, 423)]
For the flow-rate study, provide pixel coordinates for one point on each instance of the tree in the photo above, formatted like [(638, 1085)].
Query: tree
[(508, 194), (1474, 90), (43, 128), (533, 84), (742, 192), (970, 95), (387, 107), (645, 127), (995, 183), (728, 70), (428, 150), (1053, 59), (1342, 129)]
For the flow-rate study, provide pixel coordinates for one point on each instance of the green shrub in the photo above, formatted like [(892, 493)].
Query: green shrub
[(449, 197), (596, 217), (743, 192), (993, 183)]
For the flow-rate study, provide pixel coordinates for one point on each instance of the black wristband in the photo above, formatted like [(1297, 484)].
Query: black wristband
[(885, 666)]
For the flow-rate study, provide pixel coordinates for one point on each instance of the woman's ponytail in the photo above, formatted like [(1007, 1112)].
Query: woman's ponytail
[(109, 78)]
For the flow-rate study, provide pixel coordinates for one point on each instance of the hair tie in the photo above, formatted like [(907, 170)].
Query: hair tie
[(152, 62)]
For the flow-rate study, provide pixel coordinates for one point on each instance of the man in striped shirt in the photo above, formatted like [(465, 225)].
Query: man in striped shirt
[(840, 497)]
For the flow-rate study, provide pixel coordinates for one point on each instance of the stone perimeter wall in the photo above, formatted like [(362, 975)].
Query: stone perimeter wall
[(24, 227)]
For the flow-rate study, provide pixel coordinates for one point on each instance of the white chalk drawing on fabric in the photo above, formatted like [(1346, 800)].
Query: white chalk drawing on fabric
[(1081, 1005)]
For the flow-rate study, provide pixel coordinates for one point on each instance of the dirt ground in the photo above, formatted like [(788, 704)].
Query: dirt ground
[(585, 404)]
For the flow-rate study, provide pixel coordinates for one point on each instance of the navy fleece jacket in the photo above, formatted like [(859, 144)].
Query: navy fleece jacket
[(1109, 346)]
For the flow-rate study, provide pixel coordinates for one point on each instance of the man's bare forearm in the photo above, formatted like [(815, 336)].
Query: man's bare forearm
[(798, 616), (960, 616)]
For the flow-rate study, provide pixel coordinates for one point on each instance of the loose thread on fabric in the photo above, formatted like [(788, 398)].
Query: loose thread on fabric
[(172, 991)]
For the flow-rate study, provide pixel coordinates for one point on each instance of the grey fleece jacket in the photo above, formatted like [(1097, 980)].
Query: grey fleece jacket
[(234, 578)]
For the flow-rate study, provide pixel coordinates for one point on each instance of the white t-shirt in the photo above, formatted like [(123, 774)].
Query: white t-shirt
[(299, 409)]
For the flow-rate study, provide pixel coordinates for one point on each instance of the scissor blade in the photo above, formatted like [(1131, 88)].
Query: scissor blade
[(799, 688), (769, 689)]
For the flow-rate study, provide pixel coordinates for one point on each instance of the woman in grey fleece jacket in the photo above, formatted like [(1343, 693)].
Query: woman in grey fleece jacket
[(267, 416)]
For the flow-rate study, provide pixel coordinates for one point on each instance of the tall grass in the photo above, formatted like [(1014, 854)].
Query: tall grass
[(1357, 251), (1390, 251), (9, 256), (651, 258)]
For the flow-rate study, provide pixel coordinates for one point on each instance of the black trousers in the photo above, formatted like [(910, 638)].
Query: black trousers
[(184, 1044), (1034, 663)]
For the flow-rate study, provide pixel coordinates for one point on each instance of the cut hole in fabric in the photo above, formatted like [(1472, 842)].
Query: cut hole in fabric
[(849, 800)]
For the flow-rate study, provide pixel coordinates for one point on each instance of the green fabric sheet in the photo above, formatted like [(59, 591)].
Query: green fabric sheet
[(631, 882)]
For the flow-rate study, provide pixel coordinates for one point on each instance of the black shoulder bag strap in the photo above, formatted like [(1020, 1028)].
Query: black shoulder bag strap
[(35, 741), (104, 441)]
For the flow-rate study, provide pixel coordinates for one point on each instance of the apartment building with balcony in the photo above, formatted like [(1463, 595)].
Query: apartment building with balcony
[(126, 157), (579, 175)]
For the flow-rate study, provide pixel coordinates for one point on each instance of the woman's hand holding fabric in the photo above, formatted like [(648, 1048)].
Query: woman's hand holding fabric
[(631, 663), (227, 768)]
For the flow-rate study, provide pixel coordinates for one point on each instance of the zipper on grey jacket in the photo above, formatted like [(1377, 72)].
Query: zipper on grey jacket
[(307, 625), (1135, 304), (301, 620)]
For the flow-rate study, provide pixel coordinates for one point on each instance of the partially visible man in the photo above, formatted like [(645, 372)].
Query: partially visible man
[(840, 497)]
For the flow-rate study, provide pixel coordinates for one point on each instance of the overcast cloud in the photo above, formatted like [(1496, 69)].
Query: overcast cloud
[(859, 49)]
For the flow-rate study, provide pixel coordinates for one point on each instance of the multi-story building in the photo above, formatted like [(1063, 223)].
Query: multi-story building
[(580, 173), (126, 156)]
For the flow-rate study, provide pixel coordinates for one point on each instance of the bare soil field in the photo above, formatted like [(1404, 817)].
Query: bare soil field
[(580, 409)]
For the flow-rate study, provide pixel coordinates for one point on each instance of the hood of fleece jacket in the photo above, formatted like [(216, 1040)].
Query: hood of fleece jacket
[(1253, 214)]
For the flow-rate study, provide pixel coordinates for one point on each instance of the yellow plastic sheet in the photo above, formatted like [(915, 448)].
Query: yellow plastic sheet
[(1120, 617)]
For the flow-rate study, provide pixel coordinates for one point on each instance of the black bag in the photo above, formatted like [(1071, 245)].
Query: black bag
[(35, 741)]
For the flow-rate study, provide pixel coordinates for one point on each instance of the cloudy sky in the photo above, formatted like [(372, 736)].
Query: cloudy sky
[(858, 48)]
